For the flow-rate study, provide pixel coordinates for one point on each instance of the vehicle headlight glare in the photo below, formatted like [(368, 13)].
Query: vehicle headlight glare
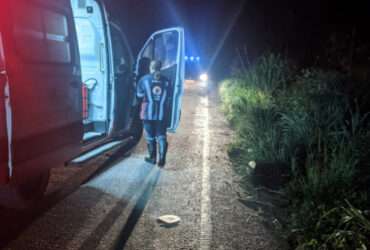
[(204, 77)]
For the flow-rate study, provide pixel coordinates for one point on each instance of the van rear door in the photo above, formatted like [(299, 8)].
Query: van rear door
[(167, 46), (45, 80)]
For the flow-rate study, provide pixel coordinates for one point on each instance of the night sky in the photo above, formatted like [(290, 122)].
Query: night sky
[(299, 29)]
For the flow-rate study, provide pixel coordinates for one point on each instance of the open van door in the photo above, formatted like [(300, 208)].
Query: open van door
[(42, 65), (167, 46)]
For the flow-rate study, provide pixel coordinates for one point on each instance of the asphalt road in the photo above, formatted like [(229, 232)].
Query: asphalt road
[(118, 208)]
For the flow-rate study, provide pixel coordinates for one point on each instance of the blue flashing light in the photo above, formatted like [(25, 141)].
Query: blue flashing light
[(192, 58), (186, 58), (198, 58)]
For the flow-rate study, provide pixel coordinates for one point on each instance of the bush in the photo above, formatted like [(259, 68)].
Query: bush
[(248, 104), (342, 227), (308, 121)]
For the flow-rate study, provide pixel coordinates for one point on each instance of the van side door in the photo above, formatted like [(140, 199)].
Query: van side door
[(45, 81), (167, 46)]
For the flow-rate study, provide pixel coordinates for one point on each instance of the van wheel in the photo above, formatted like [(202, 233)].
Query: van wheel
[(34, 188)]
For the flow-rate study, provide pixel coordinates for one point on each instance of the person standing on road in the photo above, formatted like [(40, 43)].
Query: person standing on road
[(152, 90)]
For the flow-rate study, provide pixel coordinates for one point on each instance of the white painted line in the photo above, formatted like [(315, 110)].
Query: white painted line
[(205, 219)]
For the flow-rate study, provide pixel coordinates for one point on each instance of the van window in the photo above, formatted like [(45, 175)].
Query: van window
[(148, 51), (41, 35), (56, 30), (165, 49)]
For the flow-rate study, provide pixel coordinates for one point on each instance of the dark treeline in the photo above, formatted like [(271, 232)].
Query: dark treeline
[(325, 33)]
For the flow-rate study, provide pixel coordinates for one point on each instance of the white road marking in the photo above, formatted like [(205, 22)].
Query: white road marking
[(205, 219)]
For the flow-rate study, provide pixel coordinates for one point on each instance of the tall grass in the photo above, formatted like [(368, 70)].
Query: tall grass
[(308, 122), (270, 74)]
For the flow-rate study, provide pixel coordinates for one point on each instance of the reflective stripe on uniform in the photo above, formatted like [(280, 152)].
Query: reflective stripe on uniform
[(150, 100)]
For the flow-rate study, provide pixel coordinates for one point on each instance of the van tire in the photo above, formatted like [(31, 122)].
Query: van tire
[(34, 188)]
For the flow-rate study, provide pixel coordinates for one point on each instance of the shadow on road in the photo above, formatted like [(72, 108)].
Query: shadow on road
[(137, 212), (17, 220)]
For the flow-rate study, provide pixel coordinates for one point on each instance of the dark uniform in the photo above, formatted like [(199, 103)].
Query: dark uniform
[(153, 90)]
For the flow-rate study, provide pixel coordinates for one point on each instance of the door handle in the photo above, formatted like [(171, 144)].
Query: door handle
[(102, 57)]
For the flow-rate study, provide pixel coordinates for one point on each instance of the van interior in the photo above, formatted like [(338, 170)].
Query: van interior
[(92, 42)]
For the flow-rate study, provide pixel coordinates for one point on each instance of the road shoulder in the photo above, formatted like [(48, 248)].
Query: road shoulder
[(234, 226)]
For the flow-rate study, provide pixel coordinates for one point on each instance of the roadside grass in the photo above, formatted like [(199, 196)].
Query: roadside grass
[(302, 133)]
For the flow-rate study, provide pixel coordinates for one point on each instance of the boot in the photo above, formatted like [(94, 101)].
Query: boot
[(163, 145), (152, 150)]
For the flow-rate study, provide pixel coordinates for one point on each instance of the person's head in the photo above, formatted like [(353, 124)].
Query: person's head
[(155, 66)]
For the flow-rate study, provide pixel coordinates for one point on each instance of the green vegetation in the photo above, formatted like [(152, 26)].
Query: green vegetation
[(306, 122)]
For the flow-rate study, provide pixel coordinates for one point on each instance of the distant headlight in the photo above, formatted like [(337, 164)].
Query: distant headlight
[(203, 77)]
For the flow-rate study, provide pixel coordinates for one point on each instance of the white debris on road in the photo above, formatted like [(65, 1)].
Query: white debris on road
[(169, 220)]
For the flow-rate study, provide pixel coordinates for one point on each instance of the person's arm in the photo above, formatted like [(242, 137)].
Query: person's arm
[(140, 90)]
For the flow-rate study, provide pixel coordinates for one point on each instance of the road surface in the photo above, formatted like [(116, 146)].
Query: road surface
[(118, 208)]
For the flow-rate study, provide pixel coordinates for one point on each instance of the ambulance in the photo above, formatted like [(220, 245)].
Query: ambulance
[(67, 86)]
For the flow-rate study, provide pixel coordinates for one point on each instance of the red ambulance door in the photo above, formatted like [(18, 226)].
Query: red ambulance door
[(45, 82)]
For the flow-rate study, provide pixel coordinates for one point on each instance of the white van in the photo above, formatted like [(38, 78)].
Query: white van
[(67, 85)]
